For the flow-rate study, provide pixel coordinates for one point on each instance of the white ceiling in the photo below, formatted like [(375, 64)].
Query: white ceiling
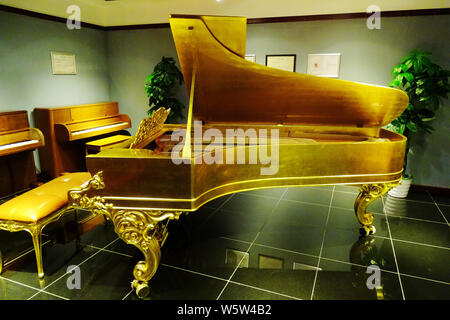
[(132, 12)]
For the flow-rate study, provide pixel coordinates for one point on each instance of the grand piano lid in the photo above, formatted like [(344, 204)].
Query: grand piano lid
[(230, 89)]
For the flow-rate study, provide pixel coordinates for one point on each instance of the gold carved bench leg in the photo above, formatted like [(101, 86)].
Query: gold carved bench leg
[(36, 235), (35, 230), (367, 194)]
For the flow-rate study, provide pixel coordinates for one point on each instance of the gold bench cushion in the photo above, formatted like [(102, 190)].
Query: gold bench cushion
[(39, 202)]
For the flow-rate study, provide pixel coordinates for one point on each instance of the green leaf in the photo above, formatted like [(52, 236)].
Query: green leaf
[(399, 128), (419, 91), (395, 83), (404, 67), (411, 126), (409, 76), (397, 69), (418, 66), (160, 88), (398, 80), (426, 119)]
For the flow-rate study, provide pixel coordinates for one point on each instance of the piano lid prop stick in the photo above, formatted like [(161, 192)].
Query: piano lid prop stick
[(187, 145)]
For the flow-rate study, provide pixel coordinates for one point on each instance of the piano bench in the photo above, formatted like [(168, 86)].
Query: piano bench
[(117, 141), (32, 211)]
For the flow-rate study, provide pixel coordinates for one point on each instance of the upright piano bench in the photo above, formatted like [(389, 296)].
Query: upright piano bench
[(32, 211), (117, 141)]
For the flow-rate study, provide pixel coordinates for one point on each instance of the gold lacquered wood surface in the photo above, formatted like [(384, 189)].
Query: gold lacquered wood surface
[(70, 131), (232, 89), (154, 181), (329, 129), (39, 202), (32, 136), (150, 129), (67, 129), (117, 141), (16, 135), (17, 142)]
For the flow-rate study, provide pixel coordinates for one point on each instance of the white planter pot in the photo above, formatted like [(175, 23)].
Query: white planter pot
[(401, 191)]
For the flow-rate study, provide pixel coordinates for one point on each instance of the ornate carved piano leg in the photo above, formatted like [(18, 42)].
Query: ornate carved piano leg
[(367, 194), (144, 270), (142, 228), (145, 230)]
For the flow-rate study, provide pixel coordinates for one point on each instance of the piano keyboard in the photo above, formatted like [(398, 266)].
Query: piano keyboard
[(74, 133), (18, 144)]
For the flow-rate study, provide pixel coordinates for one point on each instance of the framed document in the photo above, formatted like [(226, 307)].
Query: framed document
[(250, 57), (63, 63), (324, 65), (281, 61)]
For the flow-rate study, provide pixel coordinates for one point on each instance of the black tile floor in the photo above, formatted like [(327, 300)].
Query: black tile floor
[(276, 244)]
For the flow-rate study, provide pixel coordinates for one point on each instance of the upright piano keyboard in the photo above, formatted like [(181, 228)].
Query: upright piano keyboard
[(17, 142), (67, 129)]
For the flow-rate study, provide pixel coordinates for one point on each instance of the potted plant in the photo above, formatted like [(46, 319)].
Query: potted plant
[(426, 84), (160, 88)]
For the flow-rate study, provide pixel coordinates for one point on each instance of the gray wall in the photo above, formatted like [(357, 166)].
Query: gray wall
[(132, 56), (26, 79)]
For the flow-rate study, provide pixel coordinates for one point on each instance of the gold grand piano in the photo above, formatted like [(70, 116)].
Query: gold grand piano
[(317, 131)]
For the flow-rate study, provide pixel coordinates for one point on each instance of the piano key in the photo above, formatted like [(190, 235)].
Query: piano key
[(98, 128), (18, 144)]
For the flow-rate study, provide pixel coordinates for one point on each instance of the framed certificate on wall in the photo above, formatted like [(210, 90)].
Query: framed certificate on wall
[(324, 64), (281, 61), (63, 63)]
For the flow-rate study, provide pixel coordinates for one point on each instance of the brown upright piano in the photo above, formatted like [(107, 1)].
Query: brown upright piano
[(328, 131), (17, 142), (67, 129)]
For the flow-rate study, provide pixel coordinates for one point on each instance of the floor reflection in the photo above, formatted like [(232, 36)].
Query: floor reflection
[(242, 252), (362, 254), (395, 206)]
